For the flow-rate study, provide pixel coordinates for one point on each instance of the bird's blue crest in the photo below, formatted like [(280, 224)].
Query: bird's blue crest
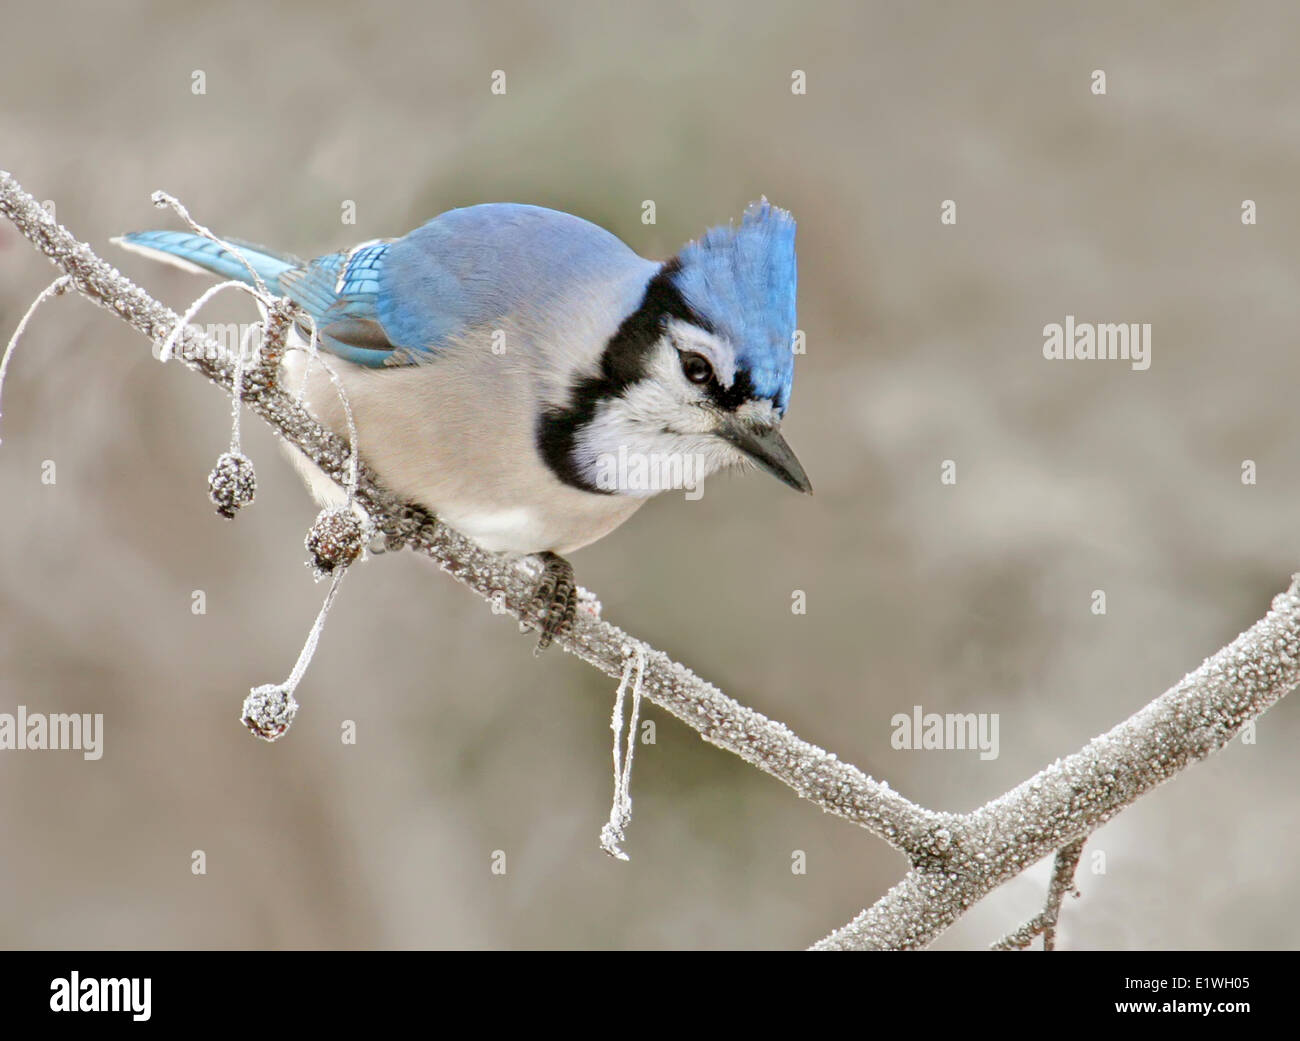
[(742, 281)]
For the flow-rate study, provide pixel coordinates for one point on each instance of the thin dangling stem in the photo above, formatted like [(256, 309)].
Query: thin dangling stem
[(56, 288), (620, 812)]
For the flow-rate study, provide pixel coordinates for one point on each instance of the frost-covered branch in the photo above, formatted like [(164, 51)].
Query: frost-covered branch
[(1074, 796), (1044, 923), (956, 859)]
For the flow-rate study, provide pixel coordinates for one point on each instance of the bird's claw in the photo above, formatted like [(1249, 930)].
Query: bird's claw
[(555, 602)]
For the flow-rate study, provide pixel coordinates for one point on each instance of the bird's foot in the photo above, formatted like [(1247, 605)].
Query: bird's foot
[(555, 601)]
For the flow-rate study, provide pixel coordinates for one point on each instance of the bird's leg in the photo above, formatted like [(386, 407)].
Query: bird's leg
[(555, 601)]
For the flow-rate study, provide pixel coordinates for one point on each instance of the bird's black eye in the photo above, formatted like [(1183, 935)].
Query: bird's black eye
[(696, 367)]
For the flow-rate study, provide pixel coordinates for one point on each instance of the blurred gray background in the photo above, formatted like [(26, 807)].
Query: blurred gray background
[(924, 344)]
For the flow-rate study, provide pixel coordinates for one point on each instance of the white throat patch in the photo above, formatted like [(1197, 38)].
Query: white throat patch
[(657, 436)]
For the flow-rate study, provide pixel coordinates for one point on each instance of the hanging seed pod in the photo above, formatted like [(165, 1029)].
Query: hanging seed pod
[(232, 483), (335, 539), (269, 710)]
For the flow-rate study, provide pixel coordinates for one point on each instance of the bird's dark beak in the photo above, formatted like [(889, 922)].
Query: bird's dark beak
[(769, 450)]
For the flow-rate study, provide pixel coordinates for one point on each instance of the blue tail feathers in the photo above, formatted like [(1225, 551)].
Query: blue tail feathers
[(194, 251)]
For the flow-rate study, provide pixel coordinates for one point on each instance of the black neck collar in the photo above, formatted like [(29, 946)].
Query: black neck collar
[(623, 363)]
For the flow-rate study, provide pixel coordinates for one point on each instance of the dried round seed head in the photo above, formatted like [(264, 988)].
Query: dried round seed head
[(269, 711), (232, 483), (335, 539)]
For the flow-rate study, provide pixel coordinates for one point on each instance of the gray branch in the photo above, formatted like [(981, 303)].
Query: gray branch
[(956, 859), (1044, 923), (1074, 796)]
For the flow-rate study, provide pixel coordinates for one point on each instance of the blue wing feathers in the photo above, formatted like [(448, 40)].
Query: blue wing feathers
[(344, 307), (478, 265), (399, 302)]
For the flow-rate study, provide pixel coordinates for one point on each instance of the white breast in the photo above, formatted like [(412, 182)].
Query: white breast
[(457, 436)]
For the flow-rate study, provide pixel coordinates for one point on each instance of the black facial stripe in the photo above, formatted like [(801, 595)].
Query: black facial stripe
[(622, 364), (731, 398)]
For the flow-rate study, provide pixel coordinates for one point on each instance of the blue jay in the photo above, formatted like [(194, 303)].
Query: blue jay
[(528, 378)]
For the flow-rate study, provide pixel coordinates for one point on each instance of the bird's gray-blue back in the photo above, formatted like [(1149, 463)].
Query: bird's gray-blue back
[(472, 267)]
